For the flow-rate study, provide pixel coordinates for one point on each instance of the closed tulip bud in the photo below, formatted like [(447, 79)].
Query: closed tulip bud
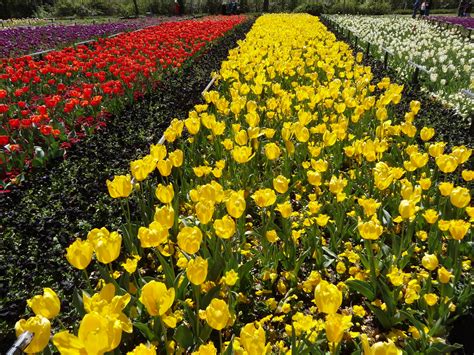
[(314, 177), (371, 230), (158, 151), (165, 193), (236, 204), (272, 151), (196, 271), (427, 133), (46, 305), (280, 184), (460, 197), (106, 245), (205, 211), (462, 154), (120, 186), (458, 229), (336, 325), (225, 227), (164, 167), (468, 175), (217, 314), (40, 327), (189, 239), (193, 124), (79, 254), (264, 197), (165, 216), (140, 169), (328, 298), (143, 349), (407, 209), (156, 298), (444, 276), (430, 262), (208, 349)]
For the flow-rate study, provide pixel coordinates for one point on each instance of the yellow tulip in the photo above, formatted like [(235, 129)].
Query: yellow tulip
[(336, 325), (314, 177), (164, 216), (217, 314), (280, 184), (468, 175), (462, 154), (156, 298), (230, 278), (272, 236), (327, 297), (242, 154), (285, 209), (445, 188), (272, 151), (130, 265), (143, 349), (196, 270), (252, 339), (164, 193), (208, 349), (430, 216), (371, 230), (446, 163), (264, 197), (164, 167), (189, 239), (236, 204), (140, 169), (458, 229), (427, 133), (153, 236), (407, 209), (176, 157), (379, 348), (193, 124), (158, 151), (46, 305), (106, 245), (225, 227), (40, 327), (205, 211), (460, 197), (431, 299), (79, 254), (430, 262), (120, 186), (444, 276)]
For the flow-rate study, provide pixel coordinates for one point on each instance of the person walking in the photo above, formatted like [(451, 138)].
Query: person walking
[(427, 8), (416, 7)]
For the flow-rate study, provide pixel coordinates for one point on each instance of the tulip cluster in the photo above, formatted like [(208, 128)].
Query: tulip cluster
[(292, 212), (47, 105)]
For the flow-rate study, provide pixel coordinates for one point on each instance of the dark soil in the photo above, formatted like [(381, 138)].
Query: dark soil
[(39, 219)]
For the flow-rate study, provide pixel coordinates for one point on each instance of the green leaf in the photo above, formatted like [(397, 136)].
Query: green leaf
[(209, 296), (77, 303), (145, 330), (167, 269), (381, 316), (440, 348), (364, 288), (184, 336)]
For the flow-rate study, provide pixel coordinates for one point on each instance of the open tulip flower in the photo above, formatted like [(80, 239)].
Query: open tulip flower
[(293, 210)]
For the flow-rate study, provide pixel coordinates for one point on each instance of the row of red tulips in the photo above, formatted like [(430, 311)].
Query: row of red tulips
[(46, 105)]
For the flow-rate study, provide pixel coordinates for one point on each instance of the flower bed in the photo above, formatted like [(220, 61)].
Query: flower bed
[(296, 212), (467, 22), (19, 41), (47, 105), (448, 56)]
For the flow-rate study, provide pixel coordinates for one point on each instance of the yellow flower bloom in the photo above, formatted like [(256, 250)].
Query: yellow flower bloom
[(230, 278), (164, 167), (458, 229), (407, 209), (252, 338), (40, 327), (46, 305), (225, 227), (189, 239), (165, 216), (460, 197), (379, 348), (427, 133), (446, 163), (235, 204), (242, 154), (217, 314), (130, 265), (430, 262), (208, 349), (120, 186), (196, 270), (430, 216), (264, 197), (371, 230), (280, 184), (285, 209), (153, 236), (431, 299), (271, 236), (205, 211), (79, 254), (336, 325), (164, 193), (106, 245), (143, 349), (157, 298), (444, 276), (327, 297), (272, 151), (445, 188)]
